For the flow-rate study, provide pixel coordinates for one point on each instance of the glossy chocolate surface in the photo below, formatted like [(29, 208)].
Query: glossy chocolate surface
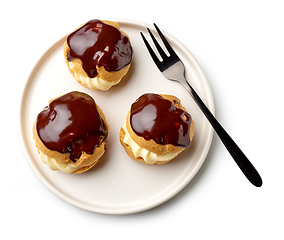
[(99, 44), (71, 124), (153, 117)]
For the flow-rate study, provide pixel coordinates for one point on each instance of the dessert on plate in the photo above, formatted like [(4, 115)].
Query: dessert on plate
[(157, 129), (98, 54), (70, 133)]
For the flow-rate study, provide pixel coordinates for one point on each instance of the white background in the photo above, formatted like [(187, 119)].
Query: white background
[(239, 45)]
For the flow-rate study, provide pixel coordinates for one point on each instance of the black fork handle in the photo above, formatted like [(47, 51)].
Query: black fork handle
[(242, 161)]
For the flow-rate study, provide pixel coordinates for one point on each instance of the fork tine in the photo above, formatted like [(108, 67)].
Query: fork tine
[(167, 45), (152, 53), (160, 50)]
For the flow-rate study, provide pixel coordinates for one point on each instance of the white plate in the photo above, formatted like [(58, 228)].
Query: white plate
[(118, 184)]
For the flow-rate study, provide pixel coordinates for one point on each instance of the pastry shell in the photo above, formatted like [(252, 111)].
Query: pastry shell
[(77, 70), (84, 163), (151, 145)]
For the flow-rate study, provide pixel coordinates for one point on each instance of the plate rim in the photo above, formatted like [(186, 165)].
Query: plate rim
[(134, 208)]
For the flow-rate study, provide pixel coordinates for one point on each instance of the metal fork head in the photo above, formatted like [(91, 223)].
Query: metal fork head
[(167, 61)]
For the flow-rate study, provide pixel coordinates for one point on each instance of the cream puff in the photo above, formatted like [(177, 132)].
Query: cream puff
[(157, 129), (98, 54), (70, 133)]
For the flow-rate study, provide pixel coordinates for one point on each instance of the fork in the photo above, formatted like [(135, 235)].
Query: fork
[(173, 69)]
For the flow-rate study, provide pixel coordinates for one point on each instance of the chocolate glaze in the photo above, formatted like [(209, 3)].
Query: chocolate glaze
[(71, 124), (153, 117), (99, 44)]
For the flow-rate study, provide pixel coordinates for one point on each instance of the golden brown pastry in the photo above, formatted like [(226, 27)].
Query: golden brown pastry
[(98, 54), (157, 129), (70, 133)]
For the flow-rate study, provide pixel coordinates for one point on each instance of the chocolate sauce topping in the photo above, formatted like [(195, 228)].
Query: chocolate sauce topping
[(99, 44), (71, 124), (153, 117)]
